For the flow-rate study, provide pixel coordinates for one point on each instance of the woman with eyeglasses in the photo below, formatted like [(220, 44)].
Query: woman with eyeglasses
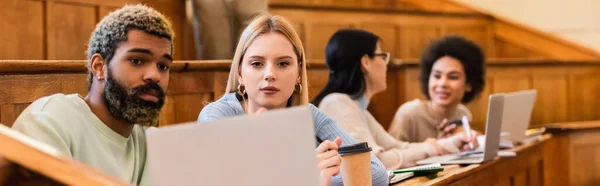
[(268, 72), (357, 68), (452, 74)]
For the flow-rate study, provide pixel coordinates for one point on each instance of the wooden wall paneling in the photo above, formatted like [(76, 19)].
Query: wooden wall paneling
[(22, 28), (504, 49), (188, 93), (340, 2), (19, 91), (394, 96), (535, 173), (480, 34), (78, 84), (412, 88), (69, 26), (10, 112), (354, 4), (187, 107), (540, 42), (300, 30), (585, 157), (175, 12), (509, 82), (397, 18), (220, 83), (113, 3), (318, 34), (503, 82), (387, 33), (191, 82), (290, 2), (400, 85), (584, 89), (503, 182), (551, 100), (103, 11), (383, 106), (520, 179), (28, 88), (414, 28), (317, 79), (441, 6), (412, 40), (167, 112), (556, 160), (391, 4)]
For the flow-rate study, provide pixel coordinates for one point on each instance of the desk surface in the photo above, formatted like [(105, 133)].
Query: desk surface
[(455, 174), (579, 125)]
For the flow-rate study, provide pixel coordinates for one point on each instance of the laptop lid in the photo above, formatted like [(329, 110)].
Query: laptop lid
[(518, 107), (492, 128), (272, 149)]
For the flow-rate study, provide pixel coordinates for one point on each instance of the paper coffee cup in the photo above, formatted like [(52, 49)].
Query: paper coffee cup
[(356, 164)]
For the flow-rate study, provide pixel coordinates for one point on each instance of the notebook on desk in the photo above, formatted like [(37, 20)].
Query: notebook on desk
[(492, 138), (272, 149), (421, 170)]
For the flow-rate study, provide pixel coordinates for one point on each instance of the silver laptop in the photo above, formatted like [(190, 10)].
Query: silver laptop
[(518, 107), (492, 138), (272, 149)]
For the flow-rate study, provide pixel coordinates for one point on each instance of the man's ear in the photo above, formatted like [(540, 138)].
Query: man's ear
[(98, 67)]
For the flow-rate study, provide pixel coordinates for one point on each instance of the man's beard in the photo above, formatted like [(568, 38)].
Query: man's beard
[(125, 104)]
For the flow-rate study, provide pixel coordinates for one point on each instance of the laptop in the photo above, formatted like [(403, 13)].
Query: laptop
[(271, 149), (492, 138), (518, 107)]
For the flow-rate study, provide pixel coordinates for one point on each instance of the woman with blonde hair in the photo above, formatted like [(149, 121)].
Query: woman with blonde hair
[(268, 72)]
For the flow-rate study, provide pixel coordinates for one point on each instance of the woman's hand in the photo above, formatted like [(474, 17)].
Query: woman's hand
[(446, 129), (462, 141), (329, 160)]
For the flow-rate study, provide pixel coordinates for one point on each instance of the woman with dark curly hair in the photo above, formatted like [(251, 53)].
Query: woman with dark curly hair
[(452, 74)]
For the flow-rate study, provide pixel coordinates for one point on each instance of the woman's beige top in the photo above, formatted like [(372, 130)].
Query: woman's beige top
[(413, 122), (353, 117)]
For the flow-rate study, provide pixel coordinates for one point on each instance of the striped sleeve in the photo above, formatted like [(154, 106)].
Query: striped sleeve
[(328, 129)]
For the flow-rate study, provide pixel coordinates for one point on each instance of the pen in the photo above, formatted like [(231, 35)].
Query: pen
[(467, 127)]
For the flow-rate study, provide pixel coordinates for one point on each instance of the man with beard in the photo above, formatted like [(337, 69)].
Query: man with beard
[(129, 55)]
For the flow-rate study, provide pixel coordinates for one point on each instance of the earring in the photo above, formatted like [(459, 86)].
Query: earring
[(298, 88), (241, 89)]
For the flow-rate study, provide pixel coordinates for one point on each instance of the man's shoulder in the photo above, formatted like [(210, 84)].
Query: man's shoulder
[(58, 103), (58, 108)]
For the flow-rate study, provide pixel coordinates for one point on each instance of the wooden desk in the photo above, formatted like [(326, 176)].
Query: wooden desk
[(572, 157), (524, 169), (52, 167)]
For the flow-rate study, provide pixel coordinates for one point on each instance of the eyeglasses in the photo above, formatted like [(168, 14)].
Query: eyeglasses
[(385, 55)]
